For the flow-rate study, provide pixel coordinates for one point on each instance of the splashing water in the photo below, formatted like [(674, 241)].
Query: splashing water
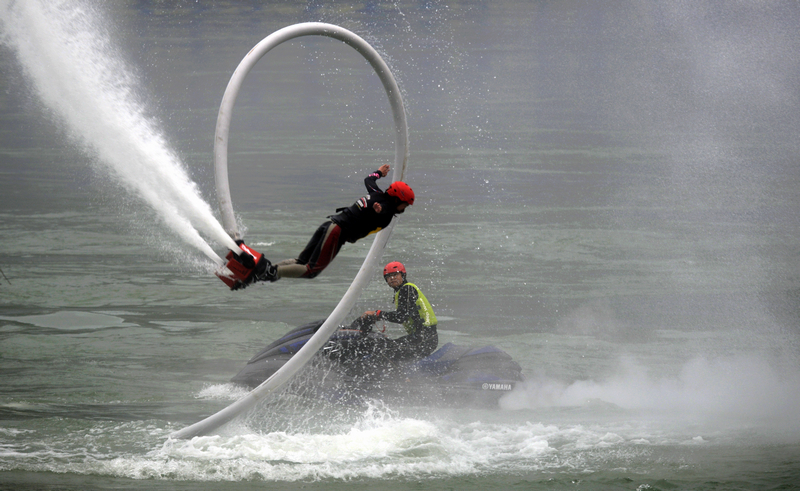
[(744, 387), (67, 54)]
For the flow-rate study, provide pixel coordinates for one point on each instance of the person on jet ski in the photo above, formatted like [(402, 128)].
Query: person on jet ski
[(412, 310), (367, 215)]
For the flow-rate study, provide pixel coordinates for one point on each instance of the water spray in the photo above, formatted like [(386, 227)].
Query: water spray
[(65, 51)]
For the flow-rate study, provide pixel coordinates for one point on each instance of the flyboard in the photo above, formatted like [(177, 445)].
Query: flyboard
[(330, 326)]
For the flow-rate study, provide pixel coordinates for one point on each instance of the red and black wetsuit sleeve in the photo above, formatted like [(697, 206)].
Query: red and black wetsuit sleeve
[(406, 307), (371, 182)]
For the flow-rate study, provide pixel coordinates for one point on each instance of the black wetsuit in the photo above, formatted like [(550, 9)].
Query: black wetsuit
[(348, 225), (360, 219)]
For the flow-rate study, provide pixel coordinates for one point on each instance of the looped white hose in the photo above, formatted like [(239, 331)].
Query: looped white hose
[(330, 326)]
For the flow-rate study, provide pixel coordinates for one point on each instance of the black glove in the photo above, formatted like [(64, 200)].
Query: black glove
[(366, 323)]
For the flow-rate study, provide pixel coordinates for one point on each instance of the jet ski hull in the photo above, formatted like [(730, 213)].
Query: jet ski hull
[(453, 375)]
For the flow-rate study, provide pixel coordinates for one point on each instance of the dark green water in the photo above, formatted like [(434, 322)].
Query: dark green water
[(607, 192)]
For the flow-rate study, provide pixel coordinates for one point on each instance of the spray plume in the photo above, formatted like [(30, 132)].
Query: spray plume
[(69, 57)]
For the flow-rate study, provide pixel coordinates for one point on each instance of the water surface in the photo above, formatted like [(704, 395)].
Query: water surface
[(608, 193)]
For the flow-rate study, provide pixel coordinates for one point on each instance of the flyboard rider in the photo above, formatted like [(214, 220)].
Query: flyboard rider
[(367, 215)]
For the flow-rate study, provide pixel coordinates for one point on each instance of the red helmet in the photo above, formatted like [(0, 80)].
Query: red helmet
[(401, 191), (394, 267)]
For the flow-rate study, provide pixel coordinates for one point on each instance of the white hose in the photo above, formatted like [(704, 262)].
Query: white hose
[(285, 373)]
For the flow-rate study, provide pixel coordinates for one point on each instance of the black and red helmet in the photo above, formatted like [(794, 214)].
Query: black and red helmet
[(402, 192), (394, 267)]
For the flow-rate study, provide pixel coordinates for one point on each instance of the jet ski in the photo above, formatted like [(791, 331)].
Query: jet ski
[(344, 372)]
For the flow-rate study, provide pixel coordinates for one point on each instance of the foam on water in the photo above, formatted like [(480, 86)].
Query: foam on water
[(379, 444), (67, 52), (375, 442)]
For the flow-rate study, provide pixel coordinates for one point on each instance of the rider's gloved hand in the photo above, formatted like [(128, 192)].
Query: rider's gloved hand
[(367, 319)]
